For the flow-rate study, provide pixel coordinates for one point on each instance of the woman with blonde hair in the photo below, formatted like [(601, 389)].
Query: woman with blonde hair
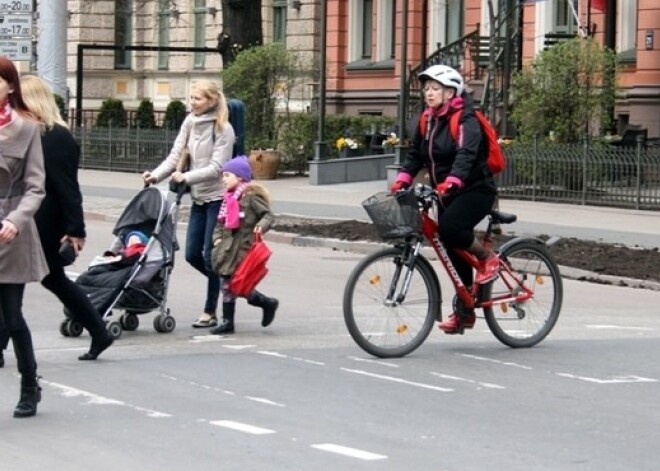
[(60, 217), (206, 139)]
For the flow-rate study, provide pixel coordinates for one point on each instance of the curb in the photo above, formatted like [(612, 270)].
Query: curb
[(364, 247)]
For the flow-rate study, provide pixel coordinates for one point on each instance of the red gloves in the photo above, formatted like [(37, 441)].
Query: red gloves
[(398, 186), (450, 184)]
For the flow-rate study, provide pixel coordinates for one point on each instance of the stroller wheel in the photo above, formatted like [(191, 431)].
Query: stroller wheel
[(129, 321), (164, 324), (114, 328), (71, 328), (64, 328)]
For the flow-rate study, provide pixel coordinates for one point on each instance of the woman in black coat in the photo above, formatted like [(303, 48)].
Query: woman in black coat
[(60, 216)]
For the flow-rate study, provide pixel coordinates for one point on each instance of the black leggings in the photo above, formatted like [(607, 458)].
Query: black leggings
[(75, 300), (457, 221), (15, 327)]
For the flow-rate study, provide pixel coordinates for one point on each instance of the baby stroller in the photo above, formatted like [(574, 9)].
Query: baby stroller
[(136, 284)]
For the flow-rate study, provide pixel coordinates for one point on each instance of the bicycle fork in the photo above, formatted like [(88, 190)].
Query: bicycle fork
[(405, 264)]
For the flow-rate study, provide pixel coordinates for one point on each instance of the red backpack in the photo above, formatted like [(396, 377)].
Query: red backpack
[(496, 161)]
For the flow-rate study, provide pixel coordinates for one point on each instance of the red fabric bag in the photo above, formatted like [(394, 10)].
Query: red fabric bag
[(252, 269)]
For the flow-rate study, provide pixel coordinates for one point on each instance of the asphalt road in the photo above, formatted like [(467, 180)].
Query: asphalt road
[(301, 395)]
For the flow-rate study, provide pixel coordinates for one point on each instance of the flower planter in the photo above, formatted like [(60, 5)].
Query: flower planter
[(264, 164), (346, 152)]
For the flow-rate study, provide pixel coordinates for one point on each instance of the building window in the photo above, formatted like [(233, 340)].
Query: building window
[(367, 29), (123, 28), (279, 20), (564, 16), (454, 21), (199, 13), (386, 30), (163, 33), (628, 27)]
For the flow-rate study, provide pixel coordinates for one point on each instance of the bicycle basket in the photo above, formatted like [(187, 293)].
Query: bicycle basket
[(395, 216)]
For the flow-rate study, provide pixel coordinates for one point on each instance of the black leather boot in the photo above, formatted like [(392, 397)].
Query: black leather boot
[(2, 359), (99, 344), (226, 325), (27, 404), (269, 306)]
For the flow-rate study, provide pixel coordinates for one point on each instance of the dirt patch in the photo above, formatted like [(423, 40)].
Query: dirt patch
[(606, 259)]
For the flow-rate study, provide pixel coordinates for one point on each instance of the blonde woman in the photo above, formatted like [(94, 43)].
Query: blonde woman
[(60, 217), (207, 139)]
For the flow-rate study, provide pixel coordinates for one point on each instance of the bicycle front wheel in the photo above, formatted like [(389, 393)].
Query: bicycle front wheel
[(386, 316), (527, 295)]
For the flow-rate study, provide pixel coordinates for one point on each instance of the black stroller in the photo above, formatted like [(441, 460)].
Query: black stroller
[(137, 284)]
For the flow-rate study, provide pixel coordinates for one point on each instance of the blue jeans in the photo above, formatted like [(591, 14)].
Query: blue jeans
[(199, 243)]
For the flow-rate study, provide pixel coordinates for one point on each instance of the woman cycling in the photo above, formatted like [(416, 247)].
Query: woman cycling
[(458, 170)]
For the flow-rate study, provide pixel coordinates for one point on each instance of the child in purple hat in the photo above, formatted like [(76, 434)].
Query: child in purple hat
[(245, 211)]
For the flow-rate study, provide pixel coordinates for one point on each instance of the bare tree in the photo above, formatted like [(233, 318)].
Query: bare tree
[(241, 21)]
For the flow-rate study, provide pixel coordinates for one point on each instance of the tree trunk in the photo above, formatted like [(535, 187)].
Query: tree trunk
[(242, 28)]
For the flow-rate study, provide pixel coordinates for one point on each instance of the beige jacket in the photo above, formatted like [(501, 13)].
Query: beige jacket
[(209, 149), (22, 175)]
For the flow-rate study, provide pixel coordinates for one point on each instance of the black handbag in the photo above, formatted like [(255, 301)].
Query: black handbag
[(183, 165), (67, 253)]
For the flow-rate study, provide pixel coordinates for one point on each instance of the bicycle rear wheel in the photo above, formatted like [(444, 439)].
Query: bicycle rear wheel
[(529, 319), (380, 323)]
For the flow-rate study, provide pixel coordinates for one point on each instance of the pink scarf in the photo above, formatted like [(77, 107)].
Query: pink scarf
[(230, 213), (5, 113)]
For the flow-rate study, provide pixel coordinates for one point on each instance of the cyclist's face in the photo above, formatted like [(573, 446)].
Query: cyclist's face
[(435, 94)]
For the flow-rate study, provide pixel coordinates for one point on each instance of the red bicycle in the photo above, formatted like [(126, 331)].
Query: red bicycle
[(392, 297)]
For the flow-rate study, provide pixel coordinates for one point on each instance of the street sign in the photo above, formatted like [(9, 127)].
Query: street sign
[(16, 29), (16, 49), (12, 26), (16, 6)]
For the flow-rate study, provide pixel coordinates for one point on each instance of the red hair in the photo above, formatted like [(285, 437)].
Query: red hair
[(10, 75)]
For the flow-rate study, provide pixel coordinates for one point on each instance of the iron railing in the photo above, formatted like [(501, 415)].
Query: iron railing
[(589, 173)]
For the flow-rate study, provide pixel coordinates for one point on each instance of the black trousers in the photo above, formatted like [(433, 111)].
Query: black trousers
[(75, 300), (15, 327), (456, 223)]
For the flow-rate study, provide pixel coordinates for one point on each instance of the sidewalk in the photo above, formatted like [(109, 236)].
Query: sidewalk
[(107, 193)]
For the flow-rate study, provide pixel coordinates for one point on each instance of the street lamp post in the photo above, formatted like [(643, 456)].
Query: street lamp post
[(320, 145)]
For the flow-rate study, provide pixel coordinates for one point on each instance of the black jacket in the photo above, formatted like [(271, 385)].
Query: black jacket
[(61, 211), (436, 149)]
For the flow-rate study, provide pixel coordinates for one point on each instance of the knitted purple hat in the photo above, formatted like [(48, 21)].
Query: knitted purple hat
[(240, 167)]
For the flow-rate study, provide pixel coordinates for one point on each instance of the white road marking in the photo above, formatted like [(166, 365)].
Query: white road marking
[(272, 354), (352, 452), (263, 400), (498, 362), (207, 338), (398, 380), (241, 427), (614, 380), (95, 399), (617, 327), (466, 380), (376, 362), (239, 347)]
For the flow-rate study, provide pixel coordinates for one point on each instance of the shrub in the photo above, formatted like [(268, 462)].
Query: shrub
[(175, 113), (567, 90), (144, 118), (112, 114), (61, 106)]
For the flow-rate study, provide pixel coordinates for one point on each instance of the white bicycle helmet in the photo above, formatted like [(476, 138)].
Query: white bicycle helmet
[(445, 75)]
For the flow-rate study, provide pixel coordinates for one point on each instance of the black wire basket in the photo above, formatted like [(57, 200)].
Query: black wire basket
[(395, 216)]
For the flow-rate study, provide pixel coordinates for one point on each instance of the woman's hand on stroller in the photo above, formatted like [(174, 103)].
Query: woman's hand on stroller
[(148, 178), (178, 177)]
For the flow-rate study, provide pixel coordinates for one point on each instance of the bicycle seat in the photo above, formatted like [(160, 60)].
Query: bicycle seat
[(498, 217)]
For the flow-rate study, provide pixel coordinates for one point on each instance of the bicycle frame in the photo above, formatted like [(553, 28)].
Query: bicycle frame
[(516, 289)]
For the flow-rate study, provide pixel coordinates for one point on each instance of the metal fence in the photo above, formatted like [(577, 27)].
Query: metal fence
[(123, 149), (587, 173)]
